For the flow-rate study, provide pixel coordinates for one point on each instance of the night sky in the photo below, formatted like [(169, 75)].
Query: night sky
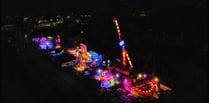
[(43, 7)]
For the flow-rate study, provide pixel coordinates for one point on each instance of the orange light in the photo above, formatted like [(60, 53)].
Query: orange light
[(119, 30), (156, 79)]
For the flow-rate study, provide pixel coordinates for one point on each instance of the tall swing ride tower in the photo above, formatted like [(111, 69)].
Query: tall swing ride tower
[(122, 44)]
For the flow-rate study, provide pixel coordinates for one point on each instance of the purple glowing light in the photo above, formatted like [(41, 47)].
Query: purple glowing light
[(45, 44), (117, 75), (36, 39), (99, 71), (145, 75)]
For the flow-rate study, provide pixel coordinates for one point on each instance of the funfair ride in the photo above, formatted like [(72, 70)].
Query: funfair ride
[(110, 75)]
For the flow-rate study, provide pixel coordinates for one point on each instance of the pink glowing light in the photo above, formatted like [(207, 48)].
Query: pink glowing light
[(125, 81), (145, 75)]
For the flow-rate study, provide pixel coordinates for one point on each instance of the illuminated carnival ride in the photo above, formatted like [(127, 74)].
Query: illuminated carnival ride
[(50, 43), (92, 64)]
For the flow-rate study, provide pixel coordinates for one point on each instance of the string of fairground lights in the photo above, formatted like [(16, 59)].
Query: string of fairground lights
[(122, 44), (146, 92), (135, 89)]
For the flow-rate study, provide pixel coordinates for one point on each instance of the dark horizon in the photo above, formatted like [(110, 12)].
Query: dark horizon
[(51, 7)]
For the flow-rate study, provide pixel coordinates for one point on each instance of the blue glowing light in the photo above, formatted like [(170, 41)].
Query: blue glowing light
[(121, 43), (45, 44), (96, 59), (59, 53)]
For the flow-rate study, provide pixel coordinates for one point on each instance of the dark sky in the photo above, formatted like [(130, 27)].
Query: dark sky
[(49, 6), (31, 7)]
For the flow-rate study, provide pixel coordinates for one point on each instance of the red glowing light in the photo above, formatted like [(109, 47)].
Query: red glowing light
[(119, 34), (43, 38), (58, 46), (144, 92), (115, 20)]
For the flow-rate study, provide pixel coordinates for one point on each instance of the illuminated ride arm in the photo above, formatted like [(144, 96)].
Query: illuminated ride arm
[(122, 44)]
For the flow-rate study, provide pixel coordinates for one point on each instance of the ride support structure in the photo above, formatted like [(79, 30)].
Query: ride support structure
[(122, 44)]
